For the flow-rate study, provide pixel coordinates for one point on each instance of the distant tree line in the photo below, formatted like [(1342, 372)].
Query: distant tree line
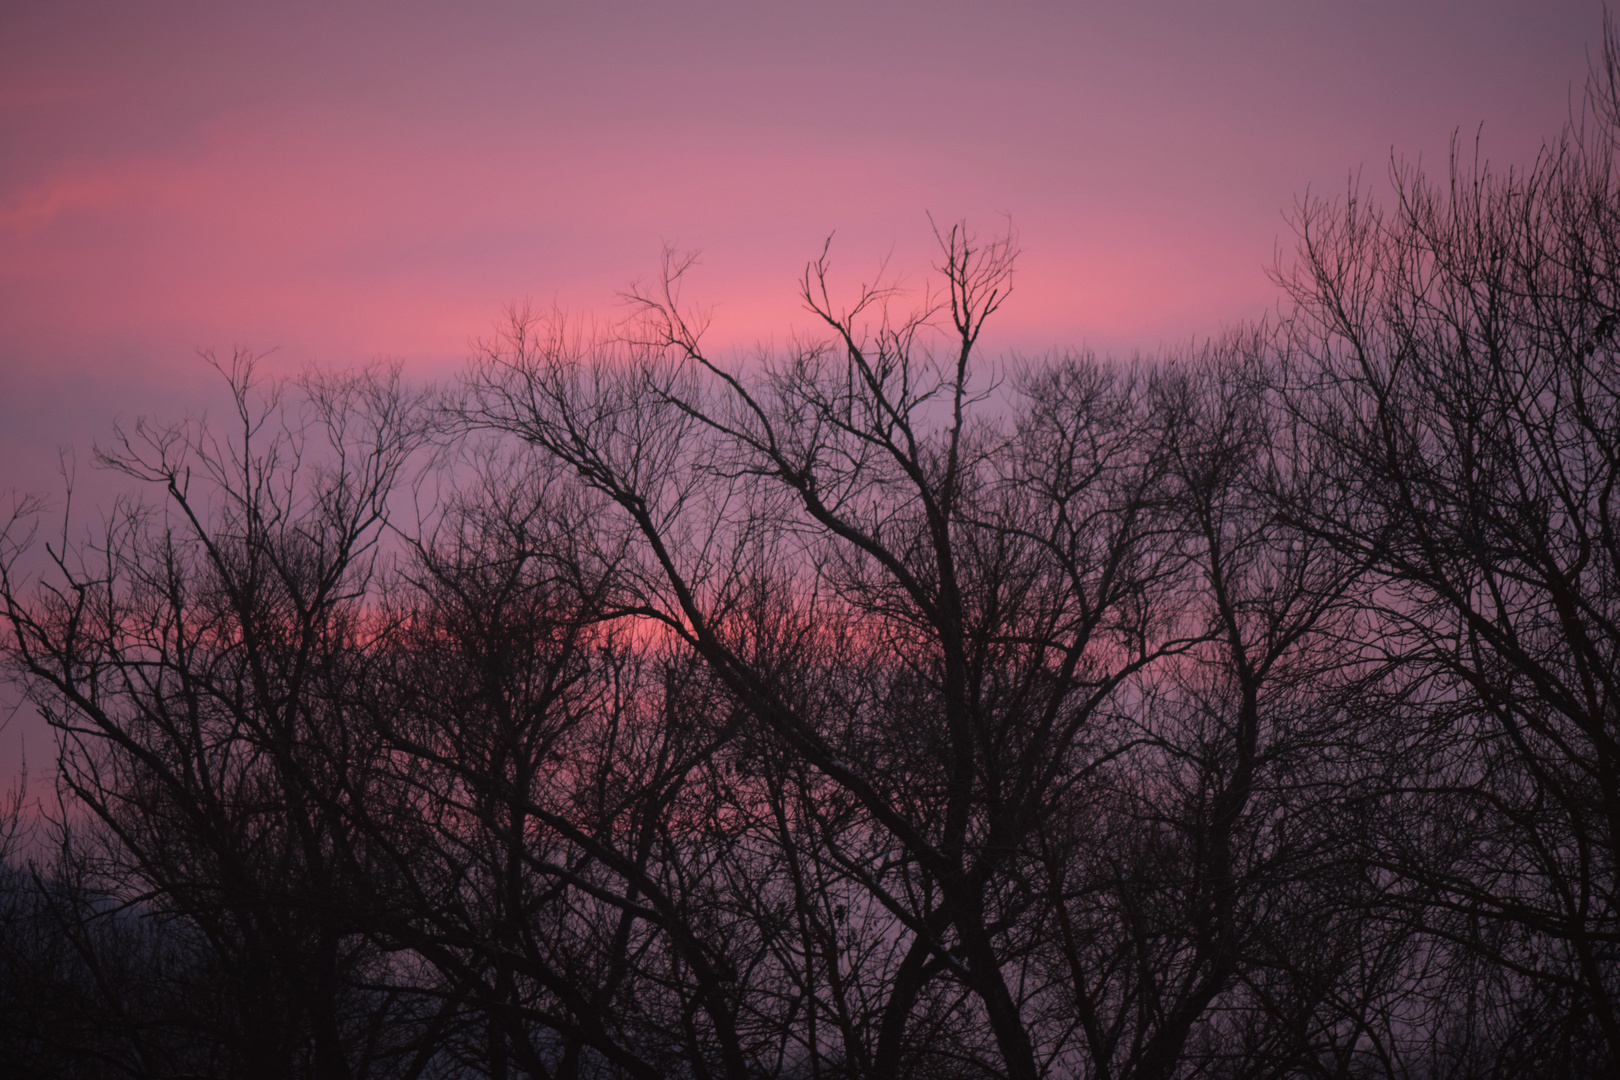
[(868, 709)]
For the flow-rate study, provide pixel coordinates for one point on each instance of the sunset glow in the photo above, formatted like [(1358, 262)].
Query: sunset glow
[(892, 540), (335, 184)]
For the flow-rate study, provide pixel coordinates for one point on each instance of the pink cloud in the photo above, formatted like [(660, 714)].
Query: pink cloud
[(36, 208), (341, 181)]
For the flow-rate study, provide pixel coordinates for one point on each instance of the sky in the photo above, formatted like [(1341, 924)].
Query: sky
[(334, 183)]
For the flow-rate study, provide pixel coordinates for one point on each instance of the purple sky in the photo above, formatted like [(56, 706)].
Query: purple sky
[(338, 182)]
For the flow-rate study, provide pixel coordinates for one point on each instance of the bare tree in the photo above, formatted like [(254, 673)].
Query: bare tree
[(1457, 354), (553, 849), (871, 710), (194, 659), (1003, 586)]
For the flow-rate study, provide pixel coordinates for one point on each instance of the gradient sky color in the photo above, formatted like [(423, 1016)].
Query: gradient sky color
[(339, 181)]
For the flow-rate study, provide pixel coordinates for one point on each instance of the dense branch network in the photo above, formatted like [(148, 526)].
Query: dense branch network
[(867, 710)]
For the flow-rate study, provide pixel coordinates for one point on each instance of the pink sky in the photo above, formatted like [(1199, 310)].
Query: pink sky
[(339, 182)]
